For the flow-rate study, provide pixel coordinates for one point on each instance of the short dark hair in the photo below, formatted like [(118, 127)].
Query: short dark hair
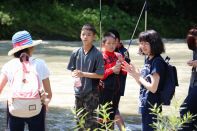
[(89, 27), (156, 43), (191, 40), (108, 34), (115, 32)]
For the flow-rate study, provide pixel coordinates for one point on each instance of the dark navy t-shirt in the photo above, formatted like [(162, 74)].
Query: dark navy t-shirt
[(91, 62), (147, 97)]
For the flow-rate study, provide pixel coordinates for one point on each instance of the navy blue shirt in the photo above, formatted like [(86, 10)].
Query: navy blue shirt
[(91, 62), (150, 68)]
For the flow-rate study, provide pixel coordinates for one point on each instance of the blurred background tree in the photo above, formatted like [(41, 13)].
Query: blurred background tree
[(62, 19)]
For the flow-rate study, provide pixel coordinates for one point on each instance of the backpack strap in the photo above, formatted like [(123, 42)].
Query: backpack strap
[(25, 70), (34, 59)]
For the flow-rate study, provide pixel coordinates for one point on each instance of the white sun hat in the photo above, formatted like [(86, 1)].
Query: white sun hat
[(22, 40)]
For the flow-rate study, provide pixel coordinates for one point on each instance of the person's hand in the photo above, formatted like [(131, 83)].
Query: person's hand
[(192, 63), (77, 73), (74, 73), (130, 68), (126, 67), (46, 103), (120, 58), (116, 69), (44, 99)]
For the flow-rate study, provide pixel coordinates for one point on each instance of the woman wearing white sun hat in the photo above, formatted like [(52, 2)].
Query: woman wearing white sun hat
[(23, 48)]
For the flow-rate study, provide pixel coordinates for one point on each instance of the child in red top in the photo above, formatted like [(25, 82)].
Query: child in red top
[(111, 79)]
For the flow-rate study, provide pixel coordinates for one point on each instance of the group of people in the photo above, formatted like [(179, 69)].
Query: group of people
[(99, 78), (92, 67), (113, 74)]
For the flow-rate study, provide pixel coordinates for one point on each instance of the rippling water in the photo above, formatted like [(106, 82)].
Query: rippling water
[(59, 119)]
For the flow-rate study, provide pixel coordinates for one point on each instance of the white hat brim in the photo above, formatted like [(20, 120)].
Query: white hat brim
[(16, 49)]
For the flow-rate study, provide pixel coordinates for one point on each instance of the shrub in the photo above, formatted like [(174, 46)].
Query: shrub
[(171, 122), (104, 123)]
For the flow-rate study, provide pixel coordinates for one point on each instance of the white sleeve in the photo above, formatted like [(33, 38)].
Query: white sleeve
[(5, 70), (42, 69), (45, 71)]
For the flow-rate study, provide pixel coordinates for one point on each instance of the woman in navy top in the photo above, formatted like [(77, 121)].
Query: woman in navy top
[(151, 77)]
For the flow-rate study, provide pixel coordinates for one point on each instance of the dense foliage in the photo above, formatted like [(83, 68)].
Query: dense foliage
[(62, 19)]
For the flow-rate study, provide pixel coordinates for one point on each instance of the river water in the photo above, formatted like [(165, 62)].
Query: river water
[(57, 53), (62, 119)]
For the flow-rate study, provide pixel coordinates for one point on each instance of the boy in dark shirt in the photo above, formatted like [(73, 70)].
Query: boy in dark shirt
[(87, 66)]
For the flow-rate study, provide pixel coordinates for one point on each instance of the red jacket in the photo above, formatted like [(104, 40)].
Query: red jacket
[(110, 59)]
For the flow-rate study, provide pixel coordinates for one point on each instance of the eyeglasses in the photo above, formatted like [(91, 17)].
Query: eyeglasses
[(144, 43)]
